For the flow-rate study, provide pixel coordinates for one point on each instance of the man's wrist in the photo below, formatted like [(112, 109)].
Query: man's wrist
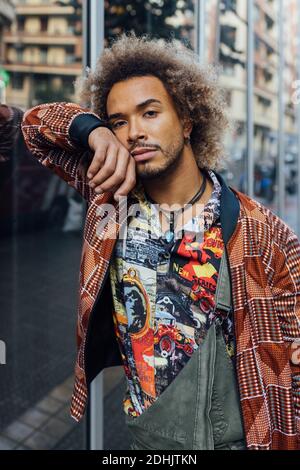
[(82, 126)]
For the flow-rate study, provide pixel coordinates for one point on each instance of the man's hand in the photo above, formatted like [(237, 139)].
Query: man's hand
[(112, 167)]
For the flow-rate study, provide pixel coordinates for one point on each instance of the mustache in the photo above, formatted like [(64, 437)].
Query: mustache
[(148, 145)]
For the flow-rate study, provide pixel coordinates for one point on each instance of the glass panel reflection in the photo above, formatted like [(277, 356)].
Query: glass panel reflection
[(159, 19), (266, 103), (40, 230), (291, 51), (226, 40)]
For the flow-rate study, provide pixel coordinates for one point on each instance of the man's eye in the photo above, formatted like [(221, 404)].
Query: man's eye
[(116, 124), (152, 113)]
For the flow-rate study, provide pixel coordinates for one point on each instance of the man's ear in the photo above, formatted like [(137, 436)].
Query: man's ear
[(187, 127)]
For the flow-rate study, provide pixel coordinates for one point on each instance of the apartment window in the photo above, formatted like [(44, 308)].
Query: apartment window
[(228, 97), (256, 75), (71, 27), (268, 75), (228, 69), (256, 14), (269, 50), (21, 23), (228, 5), (44, 23), (43, 55), (17, 81), (70, 59), (269, 22), (19, 55), (228, 36), (257, 43), (266, 103)]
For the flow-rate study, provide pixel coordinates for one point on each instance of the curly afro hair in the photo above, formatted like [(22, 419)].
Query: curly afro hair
[(193, 88)]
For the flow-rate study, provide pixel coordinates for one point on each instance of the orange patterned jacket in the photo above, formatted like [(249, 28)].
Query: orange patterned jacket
[(264, 260)]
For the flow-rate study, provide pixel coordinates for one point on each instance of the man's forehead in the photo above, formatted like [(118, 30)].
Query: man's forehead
[(134, 91)]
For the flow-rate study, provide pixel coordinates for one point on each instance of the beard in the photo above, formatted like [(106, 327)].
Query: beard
[(173, 156)]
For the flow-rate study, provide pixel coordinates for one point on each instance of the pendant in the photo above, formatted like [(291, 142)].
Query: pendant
[(169, 236), (170, 233)]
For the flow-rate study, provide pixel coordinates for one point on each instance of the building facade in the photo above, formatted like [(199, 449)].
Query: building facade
[(43, 51)]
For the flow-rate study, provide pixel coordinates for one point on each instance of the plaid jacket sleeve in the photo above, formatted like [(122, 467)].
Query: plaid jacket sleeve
[(46, 132), (286, 294)]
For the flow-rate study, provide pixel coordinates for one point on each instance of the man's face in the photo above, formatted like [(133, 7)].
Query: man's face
[(144, 119)]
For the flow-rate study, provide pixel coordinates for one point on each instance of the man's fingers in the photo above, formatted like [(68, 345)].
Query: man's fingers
[(97, 162), (107, 169), (129, 182), (119, 175)]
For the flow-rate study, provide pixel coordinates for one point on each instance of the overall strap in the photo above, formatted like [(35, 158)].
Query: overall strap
[(223, 291)]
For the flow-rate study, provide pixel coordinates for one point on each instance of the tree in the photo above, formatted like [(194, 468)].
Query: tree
[(149, 16)]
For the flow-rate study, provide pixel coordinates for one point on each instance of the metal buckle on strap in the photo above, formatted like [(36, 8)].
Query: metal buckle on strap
[(223, 289), (221, 318)]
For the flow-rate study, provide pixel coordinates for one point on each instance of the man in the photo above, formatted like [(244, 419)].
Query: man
[(206, 324)]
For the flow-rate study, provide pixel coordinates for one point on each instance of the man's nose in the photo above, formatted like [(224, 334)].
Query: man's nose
[(135, 132)]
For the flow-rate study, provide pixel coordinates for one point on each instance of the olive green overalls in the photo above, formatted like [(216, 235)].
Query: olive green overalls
[(200, 409)]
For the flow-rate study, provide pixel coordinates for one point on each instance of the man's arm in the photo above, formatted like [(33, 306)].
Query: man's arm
[(10, 130), (46, 133), (286, 294), (59, 135)]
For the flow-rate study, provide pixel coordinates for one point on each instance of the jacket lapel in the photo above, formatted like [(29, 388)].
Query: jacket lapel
[(230, 209)]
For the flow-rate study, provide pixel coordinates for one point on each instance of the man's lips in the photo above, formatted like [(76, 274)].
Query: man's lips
[(143, 154)]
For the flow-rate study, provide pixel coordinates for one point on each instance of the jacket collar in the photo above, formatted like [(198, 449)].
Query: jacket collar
[(229, 209)]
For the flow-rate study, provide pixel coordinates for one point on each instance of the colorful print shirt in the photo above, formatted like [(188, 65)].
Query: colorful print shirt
[(163, 296)]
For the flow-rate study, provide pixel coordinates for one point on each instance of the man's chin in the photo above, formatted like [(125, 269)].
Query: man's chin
[(148, 173)]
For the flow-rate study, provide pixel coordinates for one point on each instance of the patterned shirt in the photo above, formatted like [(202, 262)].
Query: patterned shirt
[(163, 294)]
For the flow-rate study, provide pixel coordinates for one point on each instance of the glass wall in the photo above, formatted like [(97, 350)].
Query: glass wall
[(226, 44), (266, 102), (226, 47), (158, 19), (291, 49), (40, 238), (41, 217)]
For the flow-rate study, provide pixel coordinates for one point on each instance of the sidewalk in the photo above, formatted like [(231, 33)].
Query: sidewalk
[(48, 425), (38, 323)]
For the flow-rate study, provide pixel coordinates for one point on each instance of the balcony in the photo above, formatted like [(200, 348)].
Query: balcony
[(7, 13), (41, 38), (267, 9), (263, 61), (265, 92), (38, 10), (266, 38), (47, 68)]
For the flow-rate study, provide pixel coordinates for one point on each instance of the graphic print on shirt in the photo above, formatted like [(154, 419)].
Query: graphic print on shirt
[(185, 302), (163, 297)]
